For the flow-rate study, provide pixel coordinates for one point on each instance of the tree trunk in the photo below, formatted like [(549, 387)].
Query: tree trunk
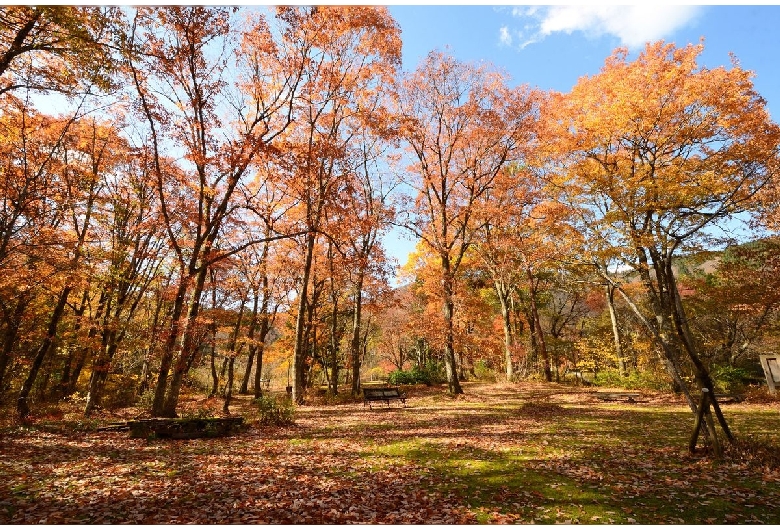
[(449, 345), (333, 383), (229, 385), (166, 360), (250, 335), (503, 297), (186, 353), (100, 370), (13, 323), (622, 367), (656, 331), (542, 344), (702, 373), (22, 405), (66, 383), (146, 368), (355, 341), (213, 349), (299, 350), (213, 364), (264, 327), (232, 352)]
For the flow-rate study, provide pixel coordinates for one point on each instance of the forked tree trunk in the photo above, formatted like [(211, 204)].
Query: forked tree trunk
[(622, 366), (540, 342), (506, 317), (449, 345), (299, 350), (22, 404), (186, 353)]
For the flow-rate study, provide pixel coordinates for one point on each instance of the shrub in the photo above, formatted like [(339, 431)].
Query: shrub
[(484, 372), (430, 374), (638, 380), (730, 379), (401, 377), (146, 399), (275, 411)]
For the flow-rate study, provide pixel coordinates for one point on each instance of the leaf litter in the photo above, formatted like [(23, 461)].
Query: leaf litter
[(439, 461)]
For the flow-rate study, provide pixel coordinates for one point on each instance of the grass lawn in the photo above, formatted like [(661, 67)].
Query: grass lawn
[(524, 453)]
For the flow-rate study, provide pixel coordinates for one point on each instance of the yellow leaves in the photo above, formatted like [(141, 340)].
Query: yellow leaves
[(664, 137)]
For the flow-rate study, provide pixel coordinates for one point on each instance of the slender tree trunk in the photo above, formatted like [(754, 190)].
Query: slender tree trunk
[(166, 360), (213, 363), (146, 368), (229, 385), (22, 405), (250, 335), (357, 315), (66, 383), (538, 327), (449, 344), (213, 349), (622, 367), (232, 352), (333, 383), (10, 337), (100, 370), (257, 349), (299, 351), (264, 327), (702, 373), (503, 297), (187, 352), (656, 329)]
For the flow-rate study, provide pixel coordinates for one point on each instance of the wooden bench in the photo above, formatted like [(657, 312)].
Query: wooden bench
[(729, 398), (627, 397), (184, 428), (382, 394)]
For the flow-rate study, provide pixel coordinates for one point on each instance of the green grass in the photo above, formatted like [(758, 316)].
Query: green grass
[(595, 464), (501, 453)]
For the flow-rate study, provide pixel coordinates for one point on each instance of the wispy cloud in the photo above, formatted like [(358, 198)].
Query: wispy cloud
[(504, 36), (634, 25)]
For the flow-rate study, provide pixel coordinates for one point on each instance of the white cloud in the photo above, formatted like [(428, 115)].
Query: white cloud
[(504, 36), (634, 25)]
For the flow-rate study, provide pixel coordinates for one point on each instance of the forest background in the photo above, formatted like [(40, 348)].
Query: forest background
[(206, 209)]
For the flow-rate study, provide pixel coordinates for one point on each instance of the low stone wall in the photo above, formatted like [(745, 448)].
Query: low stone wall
[(184, 428)]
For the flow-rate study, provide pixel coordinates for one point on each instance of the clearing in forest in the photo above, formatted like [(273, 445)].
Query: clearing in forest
[(500, 453)]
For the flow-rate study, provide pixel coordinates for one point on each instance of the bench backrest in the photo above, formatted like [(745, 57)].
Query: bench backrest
[(381, 392)]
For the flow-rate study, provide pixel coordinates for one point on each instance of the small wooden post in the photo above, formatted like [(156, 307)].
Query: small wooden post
[(703, 414)]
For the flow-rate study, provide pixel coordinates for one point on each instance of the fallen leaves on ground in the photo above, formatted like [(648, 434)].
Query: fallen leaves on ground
[(433, 462)]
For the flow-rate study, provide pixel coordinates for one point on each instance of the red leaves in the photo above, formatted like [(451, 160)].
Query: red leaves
[(481, 458), (255, 478)]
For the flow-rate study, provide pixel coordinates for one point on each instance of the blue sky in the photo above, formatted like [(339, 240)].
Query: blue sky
[(550, 47)]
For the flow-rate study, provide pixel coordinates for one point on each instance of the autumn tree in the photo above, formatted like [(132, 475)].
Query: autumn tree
[(217, 122), (82, 161), (64, 49), (527, 237), (370, 214), (127, 254), (462, 125), (346, 56), (732, 299), (657, 153)]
